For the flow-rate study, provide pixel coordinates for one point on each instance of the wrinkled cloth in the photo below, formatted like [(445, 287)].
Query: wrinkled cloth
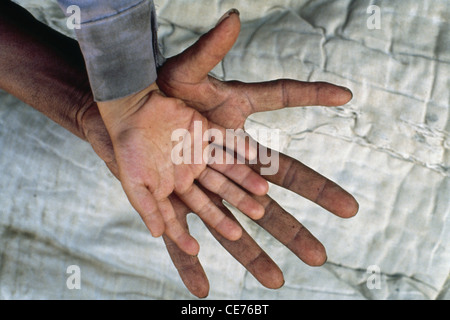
[(389, 147)]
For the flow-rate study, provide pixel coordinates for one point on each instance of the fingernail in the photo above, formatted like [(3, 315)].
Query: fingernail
[(227, 14), (347, 89)]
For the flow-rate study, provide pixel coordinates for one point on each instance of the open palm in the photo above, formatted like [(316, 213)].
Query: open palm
[(229, 103), (143, 148)]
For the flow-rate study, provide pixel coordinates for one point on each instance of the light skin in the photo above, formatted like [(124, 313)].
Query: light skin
[(141, 137), (185, 80)]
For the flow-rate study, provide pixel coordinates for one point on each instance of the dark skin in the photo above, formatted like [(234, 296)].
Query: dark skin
[(46, 70)]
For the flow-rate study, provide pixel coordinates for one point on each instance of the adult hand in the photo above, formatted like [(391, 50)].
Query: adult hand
[(229, 103)]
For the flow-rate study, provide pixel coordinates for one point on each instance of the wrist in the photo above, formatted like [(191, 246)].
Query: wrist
[(114, 111)]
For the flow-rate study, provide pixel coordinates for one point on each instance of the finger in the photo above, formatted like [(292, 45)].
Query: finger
[(236, 142), (175, 231), (217, 183), (202, 205), (249, 253), (286, 229), (284, 93), (242, 174), (145, 204), (299, 178), (198, 60), (189, 267)]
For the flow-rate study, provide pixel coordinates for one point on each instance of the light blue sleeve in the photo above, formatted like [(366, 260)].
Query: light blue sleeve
[(118, 42)]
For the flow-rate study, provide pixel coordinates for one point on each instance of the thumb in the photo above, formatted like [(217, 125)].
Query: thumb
[(198, 60)]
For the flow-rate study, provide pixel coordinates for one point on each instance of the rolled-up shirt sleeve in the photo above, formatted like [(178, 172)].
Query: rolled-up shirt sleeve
[(118, 42)]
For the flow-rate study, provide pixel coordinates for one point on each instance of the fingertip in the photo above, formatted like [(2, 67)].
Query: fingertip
[(306, 246), (236, 234), (349, 207), (188, 244), (228, 14), (276, 280), (267, 272), (318, 256), (346, 95), (352, 208), (257, 212), (193, 248), (333, 95), (156, 230), (202, 292), (261, 188), (155, 224), (200, 289), (340, 95), (230, 230), (196, 281), (338, 201)]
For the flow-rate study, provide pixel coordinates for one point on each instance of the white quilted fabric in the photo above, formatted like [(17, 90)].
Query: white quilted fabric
[(389, 147)]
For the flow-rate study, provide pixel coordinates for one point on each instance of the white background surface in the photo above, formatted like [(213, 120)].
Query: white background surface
[(389, 147)]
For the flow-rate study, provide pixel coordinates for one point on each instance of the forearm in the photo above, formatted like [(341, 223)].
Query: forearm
[(43, 68)]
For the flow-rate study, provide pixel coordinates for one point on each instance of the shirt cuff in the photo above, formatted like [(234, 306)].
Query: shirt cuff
[(120, 51)]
